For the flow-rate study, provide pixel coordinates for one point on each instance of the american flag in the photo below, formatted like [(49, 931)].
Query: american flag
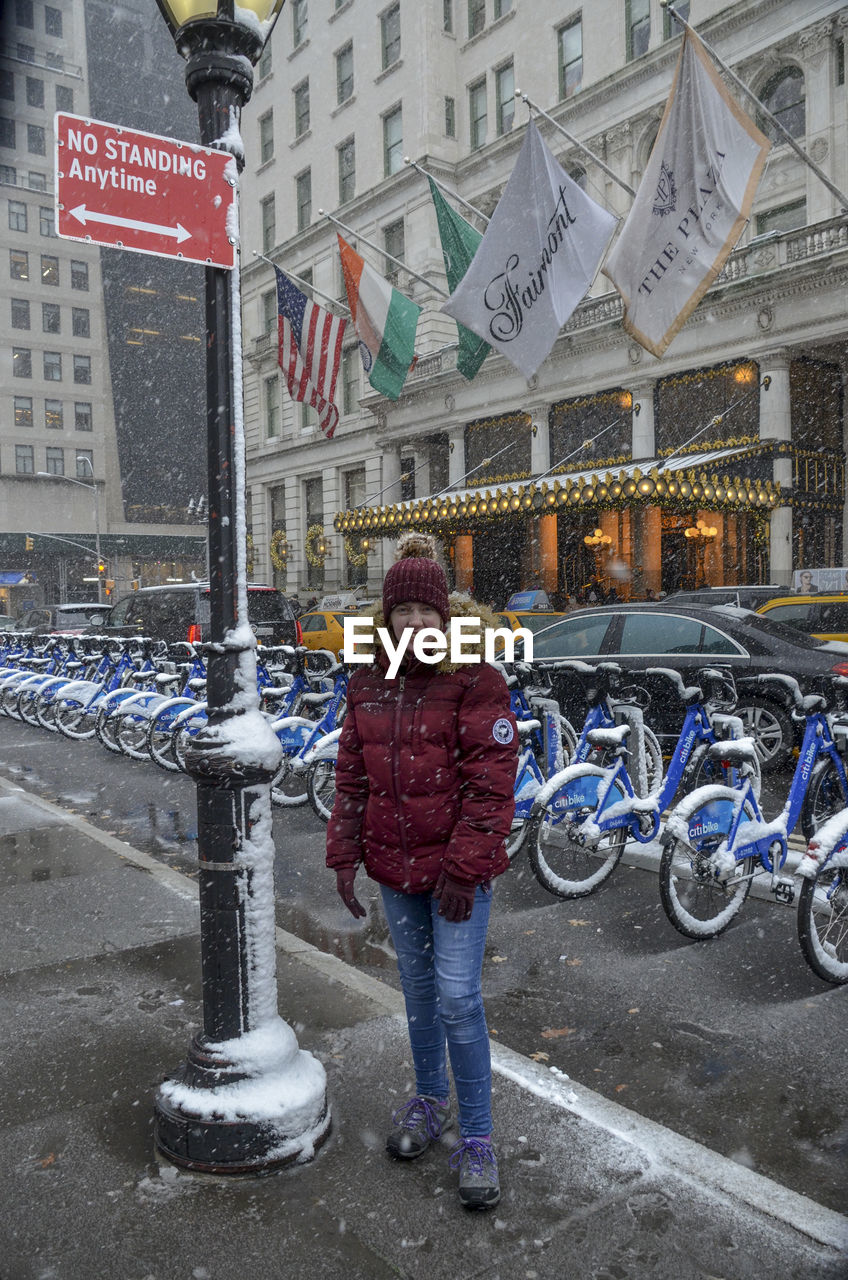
[(310, 351)]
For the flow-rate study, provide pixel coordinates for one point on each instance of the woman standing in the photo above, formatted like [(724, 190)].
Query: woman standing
[(424, 799)]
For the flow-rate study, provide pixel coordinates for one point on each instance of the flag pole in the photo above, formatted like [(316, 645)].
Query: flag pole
[(579, 449), (574, 142), (306, 283), (484, 462), (404, 475), (785, 135), (453, 195), (357, 235), (715, 421)]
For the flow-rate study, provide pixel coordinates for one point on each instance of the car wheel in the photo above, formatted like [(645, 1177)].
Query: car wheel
[(770, 725)]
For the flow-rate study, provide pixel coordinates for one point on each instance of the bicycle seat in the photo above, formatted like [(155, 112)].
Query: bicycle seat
[(608, 738), (813, 702), (735, 751)]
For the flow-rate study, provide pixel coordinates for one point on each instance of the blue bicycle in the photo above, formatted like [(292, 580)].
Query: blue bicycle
[(717, 839), (583, 816)]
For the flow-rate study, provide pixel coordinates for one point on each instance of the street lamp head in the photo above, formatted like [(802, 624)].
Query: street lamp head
[(215, 36)]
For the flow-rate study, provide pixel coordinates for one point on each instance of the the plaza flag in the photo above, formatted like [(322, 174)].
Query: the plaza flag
[(692, 204), (310, 351), (385, 320), (460, 242), (537, 258)]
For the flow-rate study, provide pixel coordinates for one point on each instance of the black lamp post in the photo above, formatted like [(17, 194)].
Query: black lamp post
[(246, 1098)]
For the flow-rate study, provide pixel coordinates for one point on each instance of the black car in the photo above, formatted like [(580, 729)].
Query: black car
[(687, 639), (64, 619), (744, 597), (181, 612)]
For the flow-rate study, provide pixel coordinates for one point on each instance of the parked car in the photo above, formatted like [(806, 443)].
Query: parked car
[(534, 620), (181, 612), (824, 616), (69, 619), (688, 638), (324, 628), (7, 622), (744, 597)]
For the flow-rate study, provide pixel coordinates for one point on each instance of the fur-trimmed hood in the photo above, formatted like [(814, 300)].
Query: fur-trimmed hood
[(461, 606)]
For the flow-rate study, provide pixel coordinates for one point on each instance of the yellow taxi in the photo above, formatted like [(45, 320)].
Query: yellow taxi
[(824, 615), (534, 620), (324, 628)]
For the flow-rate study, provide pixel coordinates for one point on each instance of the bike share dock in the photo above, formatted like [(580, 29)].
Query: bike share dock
[(99, 984)]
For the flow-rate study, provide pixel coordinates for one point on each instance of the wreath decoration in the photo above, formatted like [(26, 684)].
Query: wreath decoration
[(356, 558), (249, 549), (314, 535), (278, 549)]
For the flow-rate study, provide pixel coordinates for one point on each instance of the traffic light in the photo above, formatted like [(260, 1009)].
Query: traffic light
[(101, 566), (29, 544), (110, 586)]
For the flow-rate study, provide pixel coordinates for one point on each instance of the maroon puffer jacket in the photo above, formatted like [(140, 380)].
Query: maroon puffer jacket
[(425, 775)]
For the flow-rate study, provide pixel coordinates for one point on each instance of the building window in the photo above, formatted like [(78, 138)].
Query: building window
[(303, 195), (85, 460), (344, 74), (300, 21), (55, 61), (64, 98), (23, 411), (81, 322), (447, 16), (82, 369), (308, 417), (7, 85), (36, 140), (52, 21), (26, 52), (83, 418), (670, 27), (17, 215), (7, 132), (840, 62), (266, 137), (477, 113), (394, 241), (269, 224), (783, 95), (8, 175), (46, 221), (21, 362), (390, 36), (52, 361), (20, 313), (351, 364), (393, 142), (786, 217), (271, 389), (502, 7), (476, 17), (79, 275), (505, 89), (638, 19), (19, 264), (407, 479), (347, 171), (301, 109), (55, 460), (269, 311), (570, 39), (24, 460), (24, 14), (264, 66), (49, 269), (450, 117), (34, 92), (50, 317), (53, 415)]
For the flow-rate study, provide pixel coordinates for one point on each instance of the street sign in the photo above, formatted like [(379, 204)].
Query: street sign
[(139, 191)]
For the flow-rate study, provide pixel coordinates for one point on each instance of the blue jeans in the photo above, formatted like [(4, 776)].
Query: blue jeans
[(440, 967)]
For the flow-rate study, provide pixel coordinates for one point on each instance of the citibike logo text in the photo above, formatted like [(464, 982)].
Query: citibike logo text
[(462, 642), (703, 829)]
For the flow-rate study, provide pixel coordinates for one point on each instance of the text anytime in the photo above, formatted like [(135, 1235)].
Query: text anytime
[(430, 645)]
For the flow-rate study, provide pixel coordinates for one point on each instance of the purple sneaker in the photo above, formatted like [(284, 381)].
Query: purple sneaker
[(416, 1124), (479, 1187)]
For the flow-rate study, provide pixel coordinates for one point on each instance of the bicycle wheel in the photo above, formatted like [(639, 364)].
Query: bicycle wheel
[(131, 735), (45, 712), (562, 863), (160, 741), (825, 797), (701, 771), (515, 839), (75, 721), (699, 897), (823, 923), (321, 787), (288, 788), (105, 726), (9, 701), (28, 706)]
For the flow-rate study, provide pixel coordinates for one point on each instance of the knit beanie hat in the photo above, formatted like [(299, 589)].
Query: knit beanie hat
[(416, 576)]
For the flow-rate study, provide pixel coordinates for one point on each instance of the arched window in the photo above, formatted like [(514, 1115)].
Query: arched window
[(783, 94)]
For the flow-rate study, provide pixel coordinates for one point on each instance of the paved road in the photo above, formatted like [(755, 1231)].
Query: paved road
[(733, 1042)]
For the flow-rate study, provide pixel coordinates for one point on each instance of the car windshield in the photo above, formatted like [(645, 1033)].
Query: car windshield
[(536, 621), (75, 617), (759, 622)]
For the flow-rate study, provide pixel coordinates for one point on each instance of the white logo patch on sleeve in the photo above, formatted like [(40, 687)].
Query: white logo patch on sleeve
[(502, 731)]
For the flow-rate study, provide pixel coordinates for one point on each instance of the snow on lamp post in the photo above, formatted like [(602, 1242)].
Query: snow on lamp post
[(246, 1098)]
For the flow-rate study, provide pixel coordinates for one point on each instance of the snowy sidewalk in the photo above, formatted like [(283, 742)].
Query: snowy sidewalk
[(99, 995)]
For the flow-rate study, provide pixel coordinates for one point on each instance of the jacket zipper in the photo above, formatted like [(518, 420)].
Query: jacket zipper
[(396, 762)]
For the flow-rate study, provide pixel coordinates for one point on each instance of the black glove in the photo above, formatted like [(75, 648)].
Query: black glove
[(345, 877), (456, 900)]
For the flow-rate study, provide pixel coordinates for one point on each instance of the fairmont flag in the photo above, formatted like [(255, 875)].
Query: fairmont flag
[(537, 258), (310, 351), (692, 203), (385, 320), (460, 242)]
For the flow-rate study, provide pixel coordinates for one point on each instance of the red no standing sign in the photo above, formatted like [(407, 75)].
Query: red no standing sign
[(138, 191)]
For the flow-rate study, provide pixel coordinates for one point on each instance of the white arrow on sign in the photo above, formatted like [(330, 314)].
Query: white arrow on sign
[(84, 215)]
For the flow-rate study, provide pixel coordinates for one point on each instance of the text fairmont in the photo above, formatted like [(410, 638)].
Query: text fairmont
[(431, 645)]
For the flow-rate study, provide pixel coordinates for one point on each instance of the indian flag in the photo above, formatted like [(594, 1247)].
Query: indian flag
[(385, 321)]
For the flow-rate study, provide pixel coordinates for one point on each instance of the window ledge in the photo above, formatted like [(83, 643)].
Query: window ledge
[(301, 137), (266, 164), (388, 71), (341, 106), (304, 44), (493, 26), (343, 8)]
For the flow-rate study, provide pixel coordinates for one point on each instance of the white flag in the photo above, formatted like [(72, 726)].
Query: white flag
[(539, 255), (692, 204)]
